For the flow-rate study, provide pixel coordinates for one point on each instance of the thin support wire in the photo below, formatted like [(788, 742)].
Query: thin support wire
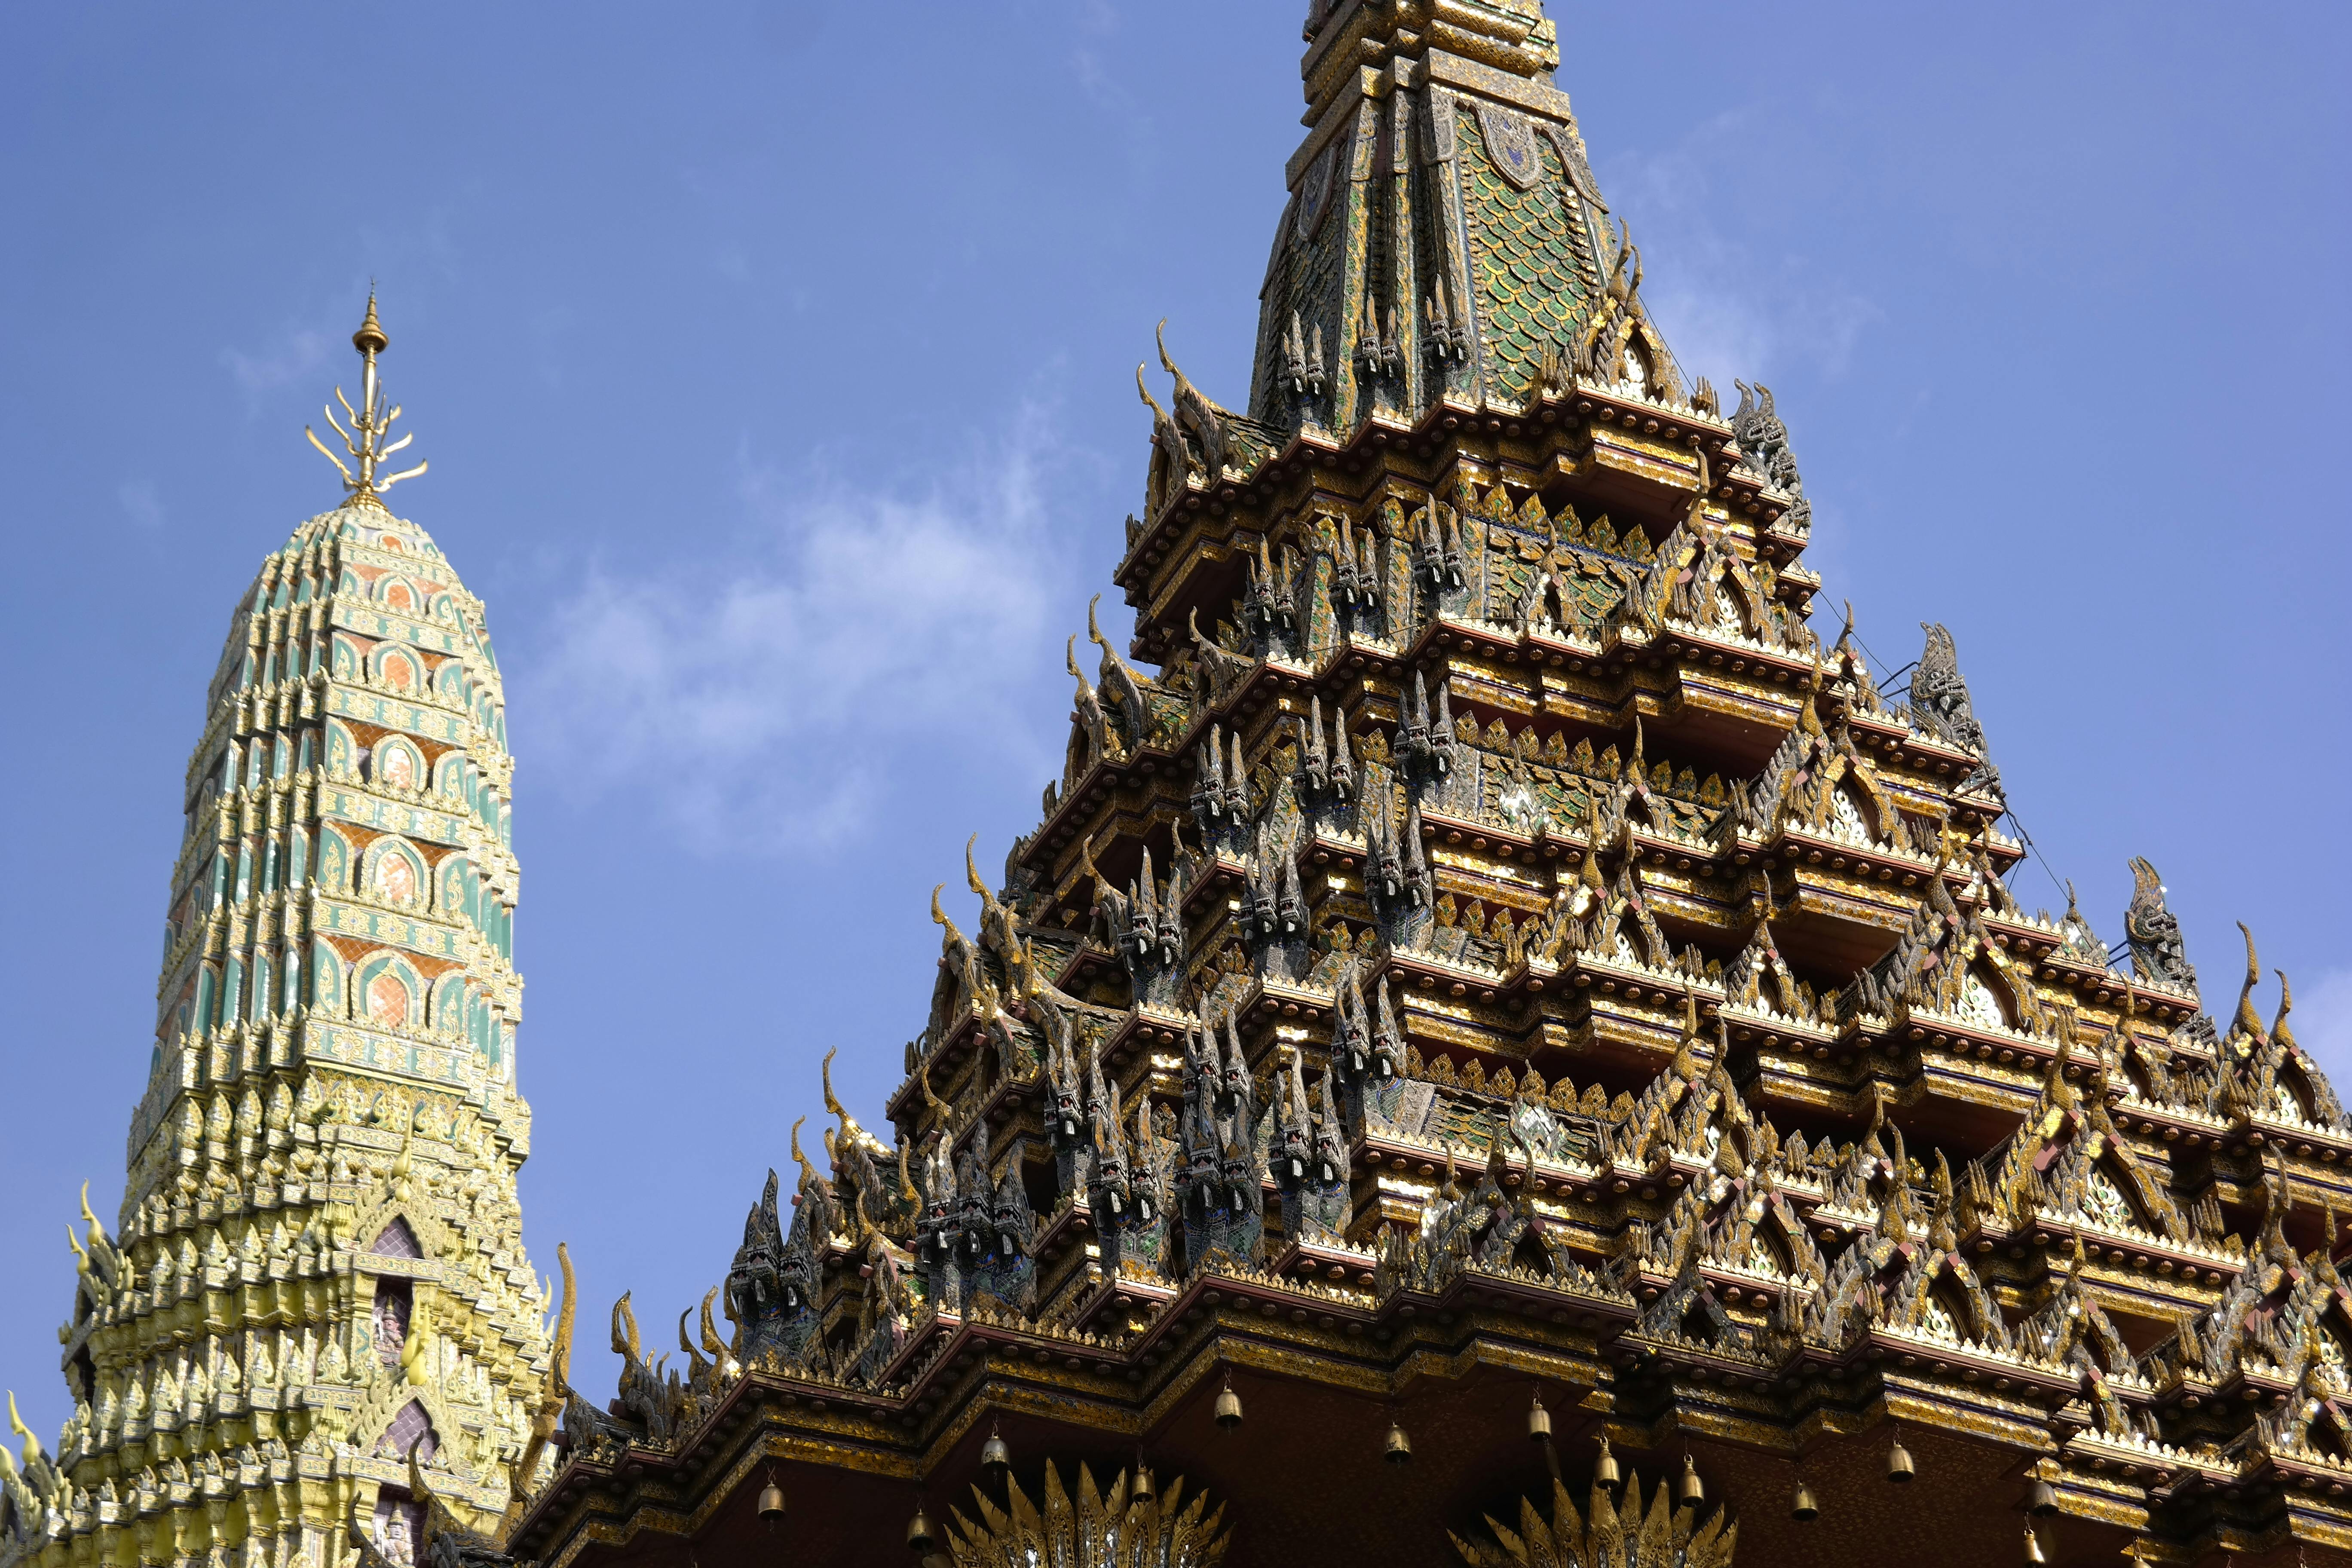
[(2010, 812), (1873, 659)]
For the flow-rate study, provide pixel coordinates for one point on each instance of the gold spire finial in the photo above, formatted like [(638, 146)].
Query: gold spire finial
[(370, 421), (370, 338)]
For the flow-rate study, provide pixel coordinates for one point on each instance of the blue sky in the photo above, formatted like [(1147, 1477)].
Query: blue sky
[(774, 367)]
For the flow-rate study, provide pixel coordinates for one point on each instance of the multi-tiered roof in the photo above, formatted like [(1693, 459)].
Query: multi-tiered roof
[(1493, 965)]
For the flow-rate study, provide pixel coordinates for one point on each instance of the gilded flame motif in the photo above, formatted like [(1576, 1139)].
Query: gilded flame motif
[(1082, 1528)]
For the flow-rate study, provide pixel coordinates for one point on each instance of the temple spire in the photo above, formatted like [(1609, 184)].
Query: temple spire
[(360, 995), (366, 440), (1513, 37), (1445, 239)]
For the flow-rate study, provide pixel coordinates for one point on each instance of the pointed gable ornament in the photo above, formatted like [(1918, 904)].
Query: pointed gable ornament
[(1511, 143), (1314, 189)]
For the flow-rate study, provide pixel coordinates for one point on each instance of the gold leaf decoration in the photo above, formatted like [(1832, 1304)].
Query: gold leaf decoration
[(1084, 1527), (1612, 1530)]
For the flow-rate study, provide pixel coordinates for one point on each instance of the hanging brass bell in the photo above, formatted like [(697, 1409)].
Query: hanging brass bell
[(1538, 1422), (2041, 1498), (1898, 1462), (1605, 1472), (1142, 1491), (1229, 1407), (2033, 1552), (772, 1504), (995, 1455), (1803, 1509), (1692, 1491), (920, 1538), (1398, 1449)]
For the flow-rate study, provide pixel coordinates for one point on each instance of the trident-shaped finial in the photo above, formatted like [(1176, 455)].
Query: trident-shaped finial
[(370, 421)]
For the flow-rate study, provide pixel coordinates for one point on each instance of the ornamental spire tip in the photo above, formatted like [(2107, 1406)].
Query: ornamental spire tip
[(370, 338), (370, 423)]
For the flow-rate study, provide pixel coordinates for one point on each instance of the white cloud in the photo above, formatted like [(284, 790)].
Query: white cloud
[(296, 356), (2322, 1022), (140, 502), (762, 700), (1727, 311)]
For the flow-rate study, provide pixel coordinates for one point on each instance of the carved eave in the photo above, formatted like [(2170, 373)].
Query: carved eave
[(1977, 1071), (1334, 1263), (1662, 442), (1013, 1109), (1267, 1001), (1366, 47), (1216, 878), (1426, 973), (1109, 787), (1332, 853), (1108, 1302), (615, 1495), (1647, 462), (1935, 1375), (1846, 881), (1775, 1033), (2304, 1140), (1254, 491), (2270, 1500), (1736, 698), (2043, 949), (2137, 1274), (1636, 452), (1132, 1032), (1134, 795), (1084, 964), (946, 1060), (1925, 754)]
